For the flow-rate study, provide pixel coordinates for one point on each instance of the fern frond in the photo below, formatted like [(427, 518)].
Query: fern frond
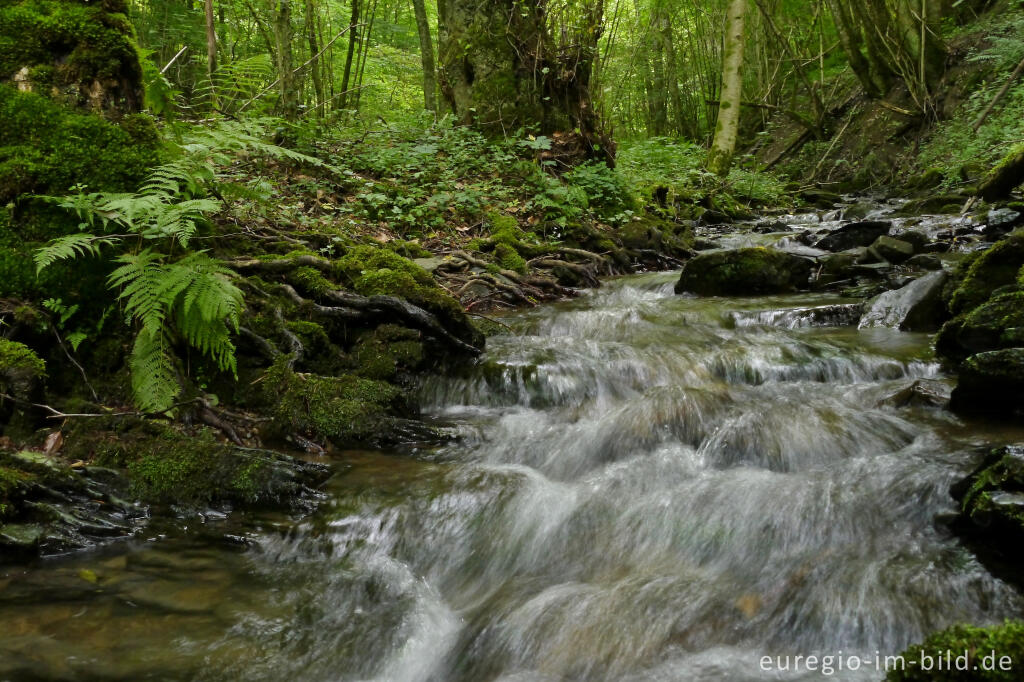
[(69, 247), (154, 378)]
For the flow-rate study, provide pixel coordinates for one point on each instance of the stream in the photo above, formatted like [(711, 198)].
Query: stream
[(644, 486)]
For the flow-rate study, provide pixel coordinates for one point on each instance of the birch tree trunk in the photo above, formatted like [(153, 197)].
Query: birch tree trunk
[(727, 128), (211, 49)]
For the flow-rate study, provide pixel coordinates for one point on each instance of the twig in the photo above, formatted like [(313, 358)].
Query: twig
[(174, 59)]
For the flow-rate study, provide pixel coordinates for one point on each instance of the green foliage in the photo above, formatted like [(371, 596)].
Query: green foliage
[(955, 147), (193, 296), (181, 296), (46, 148), (679, 168), (976, 642), (605, 190)]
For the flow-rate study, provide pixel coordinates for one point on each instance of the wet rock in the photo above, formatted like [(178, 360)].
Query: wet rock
[(991, 383), (854, 234), (921, 393), (925, 261), (915, 307), (940, 204), (1000, 221), (918, 239), (891, 249), (741, 272), (702, 244), (858, 211)]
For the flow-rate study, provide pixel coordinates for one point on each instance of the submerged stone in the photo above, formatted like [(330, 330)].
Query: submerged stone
[(742, 272)]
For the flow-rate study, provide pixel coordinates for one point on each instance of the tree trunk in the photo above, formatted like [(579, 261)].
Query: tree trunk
[(353, 40), (727, 128), (314, 49), (426, 56), (285, 70), (501, 71), (211, 49)]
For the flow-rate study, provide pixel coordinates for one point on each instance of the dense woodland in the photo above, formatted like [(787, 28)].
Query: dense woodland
[(237, 228)]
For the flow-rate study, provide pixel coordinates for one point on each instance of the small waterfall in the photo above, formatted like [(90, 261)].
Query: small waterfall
[(645, 487)]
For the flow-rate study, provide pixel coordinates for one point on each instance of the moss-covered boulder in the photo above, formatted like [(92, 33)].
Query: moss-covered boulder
[(991, 383), (164, 465), (998, 323), (345, 411), (743, 272), (989, 654), (997, 267), (20, 368)]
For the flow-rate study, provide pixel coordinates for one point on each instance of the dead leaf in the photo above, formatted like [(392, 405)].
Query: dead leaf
[(53, 442)]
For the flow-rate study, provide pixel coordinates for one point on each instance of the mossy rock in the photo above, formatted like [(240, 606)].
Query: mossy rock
[(76, 50), (743, 272), (976, 643), (991, 383), (995, 268), (164, 465), (346, 410), (651, 233), (20, 368), (990, 326), (387, 352)]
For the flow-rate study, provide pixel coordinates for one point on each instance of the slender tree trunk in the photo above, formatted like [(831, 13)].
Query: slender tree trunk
[(286, 75), (211, 49), (426, 56), (314, 49), (727, 128), (353, 39)]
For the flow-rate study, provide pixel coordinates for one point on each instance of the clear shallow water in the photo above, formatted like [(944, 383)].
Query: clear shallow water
[(646, 487)]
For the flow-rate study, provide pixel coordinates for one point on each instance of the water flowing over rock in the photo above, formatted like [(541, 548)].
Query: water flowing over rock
[(917, 306), (642, 486)]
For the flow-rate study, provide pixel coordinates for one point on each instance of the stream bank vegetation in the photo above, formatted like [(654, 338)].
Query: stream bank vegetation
[(231, 229)]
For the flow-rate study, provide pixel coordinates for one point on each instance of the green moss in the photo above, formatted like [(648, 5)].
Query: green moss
[(974, 642), (386, 351), (46, 148), (986, 327), (12, 483), (741, 272), (996, 267), (311, 281), (509, 258), (408, 249), (345, 410), (20, 368), (374, 271), (91, 39)]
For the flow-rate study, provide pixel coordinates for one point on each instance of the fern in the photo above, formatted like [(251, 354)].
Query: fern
[(189, 299), (195, 293), (153, 372), (69, 247)]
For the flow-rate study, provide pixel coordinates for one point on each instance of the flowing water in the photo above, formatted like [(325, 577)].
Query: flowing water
[(644, 487)]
